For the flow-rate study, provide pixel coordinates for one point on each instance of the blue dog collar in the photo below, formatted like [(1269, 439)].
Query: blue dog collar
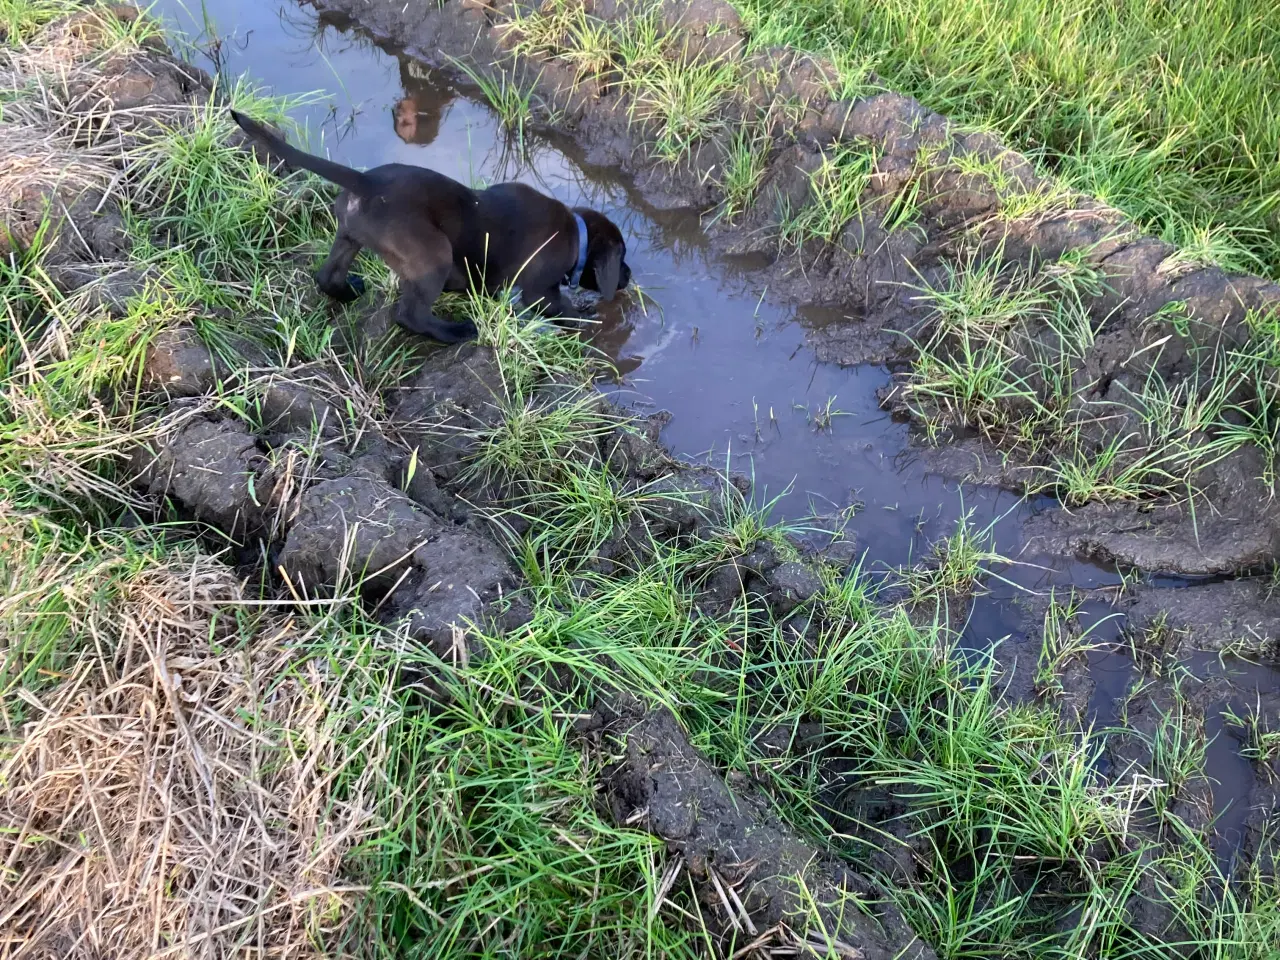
[(576, 277)]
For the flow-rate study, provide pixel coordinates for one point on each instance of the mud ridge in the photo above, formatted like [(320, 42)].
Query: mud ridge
[(728, 841), (410, 535)]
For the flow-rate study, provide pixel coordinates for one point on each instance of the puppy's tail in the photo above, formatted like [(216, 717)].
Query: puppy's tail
[(352, 180)]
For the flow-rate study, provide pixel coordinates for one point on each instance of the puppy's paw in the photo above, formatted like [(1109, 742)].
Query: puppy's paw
[(445, 331), (349, 289), (458, 332)]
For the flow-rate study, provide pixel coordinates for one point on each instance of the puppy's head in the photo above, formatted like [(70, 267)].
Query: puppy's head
[(606, 270)]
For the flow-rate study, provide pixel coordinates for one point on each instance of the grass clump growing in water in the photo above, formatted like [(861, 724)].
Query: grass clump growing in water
[(1004, 352)]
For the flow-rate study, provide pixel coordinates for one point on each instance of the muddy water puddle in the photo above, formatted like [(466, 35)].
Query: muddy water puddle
[(706, 342)]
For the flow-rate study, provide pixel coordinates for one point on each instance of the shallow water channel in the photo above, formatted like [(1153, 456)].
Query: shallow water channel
[(707, 344)]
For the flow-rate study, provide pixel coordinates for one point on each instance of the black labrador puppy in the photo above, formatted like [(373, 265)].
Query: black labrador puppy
[(435, 234)]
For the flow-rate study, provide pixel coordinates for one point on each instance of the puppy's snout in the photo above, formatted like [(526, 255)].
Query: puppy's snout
[(624, 277)]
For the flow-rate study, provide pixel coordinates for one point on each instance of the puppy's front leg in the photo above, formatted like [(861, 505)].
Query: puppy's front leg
[(548, 300), (333, 277)]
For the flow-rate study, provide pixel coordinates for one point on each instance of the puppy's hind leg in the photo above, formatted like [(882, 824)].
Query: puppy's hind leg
[(414, 310), (426, 259), (414, 314), (334, 278)]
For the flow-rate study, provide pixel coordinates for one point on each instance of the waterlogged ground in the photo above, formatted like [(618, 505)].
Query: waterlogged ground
[(706, 342), (466, 530)]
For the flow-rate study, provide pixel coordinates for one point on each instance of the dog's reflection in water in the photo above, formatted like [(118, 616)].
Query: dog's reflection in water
[(418, 115), (413, 124), (609, 332)]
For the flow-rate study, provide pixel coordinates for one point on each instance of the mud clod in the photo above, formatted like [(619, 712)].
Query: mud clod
[(179, 363), (684, 801), (138, 93), (37, 210), (423, 489), (460, 573), (1239, 616), (790, 585), (681, 503), (457, 390), (101, 286), (360, 529), (289, 406), (355, 529), (901, 123), (216, 469), (1168, 539), (633, 450)]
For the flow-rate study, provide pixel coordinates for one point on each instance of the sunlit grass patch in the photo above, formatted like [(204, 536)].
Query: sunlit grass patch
[(1166, 115), (683, 101), (222, 204), (836, 190), (513, 102)]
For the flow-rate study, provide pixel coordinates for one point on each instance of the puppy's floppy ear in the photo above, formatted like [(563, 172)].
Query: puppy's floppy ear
[(607, 265)]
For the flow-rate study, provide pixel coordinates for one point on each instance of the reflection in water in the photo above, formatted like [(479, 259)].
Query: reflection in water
[(611, 332), (418, 114)]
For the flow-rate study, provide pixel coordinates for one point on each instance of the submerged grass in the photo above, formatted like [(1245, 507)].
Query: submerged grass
[(222, 770)]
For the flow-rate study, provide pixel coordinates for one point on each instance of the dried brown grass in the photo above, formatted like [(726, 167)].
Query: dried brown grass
[(77, 97), (183, 769), (31, 157), (43, 169), (43, 175), (189, 786)]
